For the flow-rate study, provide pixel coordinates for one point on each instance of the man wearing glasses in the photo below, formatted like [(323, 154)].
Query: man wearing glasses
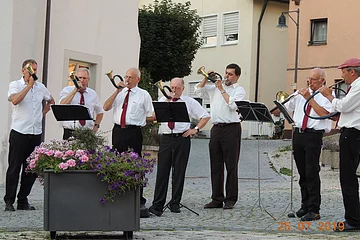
[(83, 96), (307, 142)]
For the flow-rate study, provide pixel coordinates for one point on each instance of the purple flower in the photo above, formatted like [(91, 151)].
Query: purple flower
[(102, 201)]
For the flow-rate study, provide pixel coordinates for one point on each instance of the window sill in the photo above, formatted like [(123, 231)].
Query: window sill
[(229, 43), (316, 43), (209, 46)]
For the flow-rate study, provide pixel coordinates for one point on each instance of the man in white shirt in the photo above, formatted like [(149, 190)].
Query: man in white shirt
[(83, 96), (349, 124), (307, 143), (26, 96), (175, 149), (225, 135), (132, 108)]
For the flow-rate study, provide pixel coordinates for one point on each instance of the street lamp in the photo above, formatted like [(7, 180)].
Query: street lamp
[(282, 24)]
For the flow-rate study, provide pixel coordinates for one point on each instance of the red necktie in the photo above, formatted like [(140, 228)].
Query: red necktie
[(337, 121), (306, 118), (82, 102), (171, 125), (124, 108)]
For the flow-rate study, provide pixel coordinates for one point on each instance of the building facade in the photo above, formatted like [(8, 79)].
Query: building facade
[(230, 34), (83, 32)]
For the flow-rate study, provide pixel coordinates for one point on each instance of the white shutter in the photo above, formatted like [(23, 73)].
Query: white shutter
[(210, 26), (231, 23), (192, 88)]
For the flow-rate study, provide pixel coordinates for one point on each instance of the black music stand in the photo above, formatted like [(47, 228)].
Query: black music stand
[(71, 113), (256, 112), (292, 123), (172, 112)]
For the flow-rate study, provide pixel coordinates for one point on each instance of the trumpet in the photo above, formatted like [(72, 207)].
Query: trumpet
[(112, 78), (283, 98), (159, 84), (29, 68), (211, 77)]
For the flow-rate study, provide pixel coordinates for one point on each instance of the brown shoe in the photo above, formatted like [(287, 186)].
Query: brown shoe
[(213, 204)]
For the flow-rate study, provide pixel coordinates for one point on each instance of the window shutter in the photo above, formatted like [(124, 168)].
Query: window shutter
[(210, 26), (231, 23)]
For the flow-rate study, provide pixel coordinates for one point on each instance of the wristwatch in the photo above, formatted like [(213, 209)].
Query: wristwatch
[(197, 128), (97, 125)]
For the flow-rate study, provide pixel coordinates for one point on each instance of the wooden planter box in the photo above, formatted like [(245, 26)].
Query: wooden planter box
[(72, 203)]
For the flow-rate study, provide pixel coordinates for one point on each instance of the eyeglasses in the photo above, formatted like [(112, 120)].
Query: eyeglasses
[(313, 79)]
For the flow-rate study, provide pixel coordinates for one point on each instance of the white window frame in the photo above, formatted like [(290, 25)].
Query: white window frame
[(216, 21), (225, 25), (205, 102)]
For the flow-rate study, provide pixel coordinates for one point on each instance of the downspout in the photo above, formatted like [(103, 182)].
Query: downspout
[(46, 57), (258, 50)]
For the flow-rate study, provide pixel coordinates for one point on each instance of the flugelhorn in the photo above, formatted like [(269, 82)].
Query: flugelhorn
[(29, 68), (112, 78), (283, 98), (161, 87), (211, 77)]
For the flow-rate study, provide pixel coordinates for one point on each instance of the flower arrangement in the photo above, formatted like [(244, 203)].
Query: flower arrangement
[(121, 171)]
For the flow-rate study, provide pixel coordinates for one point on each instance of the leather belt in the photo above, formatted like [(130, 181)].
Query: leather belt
[(173, 134), (349, 129), (127, 126), (309, 130), (225, 124)]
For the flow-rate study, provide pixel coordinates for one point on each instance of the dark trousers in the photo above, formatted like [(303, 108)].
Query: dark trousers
[(224, 148), (349, 161), (307, 149), (125, 138), (173, 154), (20, 148)]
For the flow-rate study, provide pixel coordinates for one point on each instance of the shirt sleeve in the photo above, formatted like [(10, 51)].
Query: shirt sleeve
[(149, 108), (14, 88), (204, 91), (196, 110), (239, 94), (64, 93), (349, 102), (98, 107)]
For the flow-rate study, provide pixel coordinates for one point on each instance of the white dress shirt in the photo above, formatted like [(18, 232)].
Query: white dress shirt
[(27, 115), (195, 110), (296, 105), (139, 107), (349, 107), (91, 100), (222, 112)]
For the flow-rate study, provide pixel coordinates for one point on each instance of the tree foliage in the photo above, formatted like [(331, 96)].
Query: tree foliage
[(170, 38)]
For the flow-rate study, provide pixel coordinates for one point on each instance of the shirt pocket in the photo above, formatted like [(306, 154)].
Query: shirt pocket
[(136, 108)]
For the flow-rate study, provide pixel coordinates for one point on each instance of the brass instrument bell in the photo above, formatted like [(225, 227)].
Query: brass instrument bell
[(159, 84), (29, 68), (112, 78), (212, 77)]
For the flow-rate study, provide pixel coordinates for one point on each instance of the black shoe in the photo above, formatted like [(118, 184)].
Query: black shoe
[(300, 213), (25, 206), (9, 207), (213, 204), (345, 227), (156, 211), (228, 206), (310, 216), (175, 208), (144, 212)]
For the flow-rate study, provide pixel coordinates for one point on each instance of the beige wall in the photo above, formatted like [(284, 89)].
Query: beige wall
[(105, 35), (342, 37)]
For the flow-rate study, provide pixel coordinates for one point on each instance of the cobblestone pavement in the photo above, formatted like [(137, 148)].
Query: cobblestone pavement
[(259, 213)]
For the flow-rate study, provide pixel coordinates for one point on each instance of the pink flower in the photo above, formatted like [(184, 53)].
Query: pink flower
[(69, 153), (63, 166), (32, 164), (71, 163), (79, 153), (58, 154), (50, 153), (84, 158)]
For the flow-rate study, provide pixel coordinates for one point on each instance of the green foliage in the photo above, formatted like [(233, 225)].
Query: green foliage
[(285, 171), (285, 149), (170, 38), (86, 139)]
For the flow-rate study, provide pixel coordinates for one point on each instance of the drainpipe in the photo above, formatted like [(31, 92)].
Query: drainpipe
[(46, 57), (258, 50)]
